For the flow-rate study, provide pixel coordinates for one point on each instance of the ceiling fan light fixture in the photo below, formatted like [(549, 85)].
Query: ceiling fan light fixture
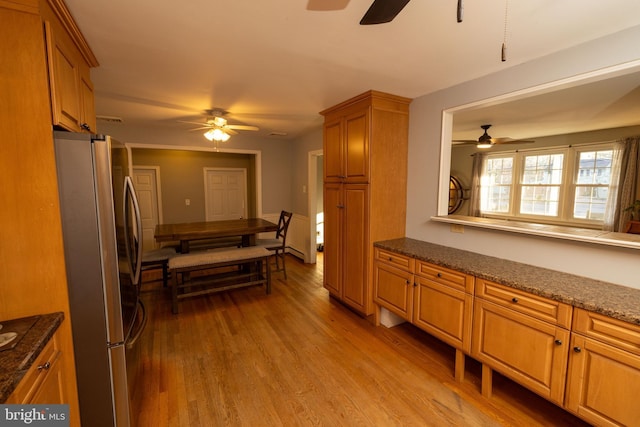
[(217, 135), (484, 144)]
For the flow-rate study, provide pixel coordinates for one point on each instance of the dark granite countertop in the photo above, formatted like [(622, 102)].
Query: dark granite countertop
[(619, 302), (33, 334)]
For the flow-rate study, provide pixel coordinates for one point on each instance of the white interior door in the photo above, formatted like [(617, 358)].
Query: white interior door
[(145, 181), (225, 193)]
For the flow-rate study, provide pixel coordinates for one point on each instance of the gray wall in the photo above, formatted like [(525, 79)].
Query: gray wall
[(617, 265), (182, 177), (279, 164)]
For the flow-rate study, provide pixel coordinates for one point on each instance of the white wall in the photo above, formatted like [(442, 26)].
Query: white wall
[(617, 265)]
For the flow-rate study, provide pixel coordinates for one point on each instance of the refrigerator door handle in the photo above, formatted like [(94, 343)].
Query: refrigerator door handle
[(136, 265)]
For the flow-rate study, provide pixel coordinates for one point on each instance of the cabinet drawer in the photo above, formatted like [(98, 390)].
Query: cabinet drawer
[(621, 334), (37, 373), (397, 260), (523, 302), (452, 278)]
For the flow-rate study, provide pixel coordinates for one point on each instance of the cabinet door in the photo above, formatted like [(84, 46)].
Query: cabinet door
[(603, 384), (355, 276), (393, 289), (51, 388), (356, 150), (529, 351), (333, 210), (444, 312), (63, 78), (333, 151)]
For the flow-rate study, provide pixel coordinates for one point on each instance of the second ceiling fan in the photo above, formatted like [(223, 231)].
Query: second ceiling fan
[(486, 141)]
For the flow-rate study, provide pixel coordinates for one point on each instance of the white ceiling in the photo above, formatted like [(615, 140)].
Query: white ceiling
[(276, 64)]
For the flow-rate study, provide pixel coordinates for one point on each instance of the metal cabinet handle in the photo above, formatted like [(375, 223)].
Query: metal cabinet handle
[(408, 282), (44, 366), (390, 259), (558, 342), (439, 275), (85, 126), (577, 349), (514, 299)]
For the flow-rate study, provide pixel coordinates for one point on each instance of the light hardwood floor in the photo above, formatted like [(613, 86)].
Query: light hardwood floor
[(298, 358)]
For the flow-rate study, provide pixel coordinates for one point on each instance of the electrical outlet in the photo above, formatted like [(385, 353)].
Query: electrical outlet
[(457, 228)]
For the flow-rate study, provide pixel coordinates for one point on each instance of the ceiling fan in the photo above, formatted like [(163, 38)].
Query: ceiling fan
[(383, 11), (380, 11), (218, 129), (486, 141)]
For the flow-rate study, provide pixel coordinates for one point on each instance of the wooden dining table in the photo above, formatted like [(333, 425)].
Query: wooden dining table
[(247, 228)]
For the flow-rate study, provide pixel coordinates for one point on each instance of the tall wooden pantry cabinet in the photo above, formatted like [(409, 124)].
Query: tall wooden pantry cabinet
[(365, 181)]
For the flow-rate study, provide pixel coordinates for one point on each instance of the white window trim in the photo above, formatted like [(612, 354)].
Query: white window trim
[(567, 188)]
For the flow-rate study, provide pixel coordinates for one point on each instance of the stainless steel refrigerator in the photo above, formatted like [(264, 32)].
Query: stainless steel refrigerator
[(101, 233)]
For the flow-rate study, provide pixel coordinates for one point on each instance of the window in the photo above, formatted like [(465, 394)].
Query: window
[(556, 185), (540, 184), (496, 185), (592, 184)]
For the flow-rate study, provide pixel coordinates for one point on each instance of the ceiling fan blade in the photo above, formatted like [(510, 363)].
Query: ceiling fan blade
[(382, 11), (200, 128), (323, 5), (192, 123), (242, 127), (496, 141)]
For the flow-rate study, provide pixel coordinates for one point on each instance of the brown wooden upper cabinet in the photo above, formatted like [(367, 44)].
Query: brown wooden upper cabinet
[(69, 62), (347, 146)]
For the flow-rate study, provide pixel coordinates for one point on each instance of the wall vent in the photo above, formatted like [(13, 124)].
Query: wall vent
[(111, 119)]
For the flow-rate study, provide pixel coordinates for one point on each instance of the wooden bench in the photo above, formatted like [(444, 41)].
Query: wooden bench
[(218, 270)]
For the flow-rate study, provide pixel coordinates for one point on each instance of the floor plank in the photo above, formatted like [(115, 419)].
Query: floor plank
[(299, 358)]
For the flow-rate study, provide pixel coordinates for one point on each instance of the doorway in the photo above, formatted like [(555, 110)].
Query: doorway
[(316, 210), (146, 181)]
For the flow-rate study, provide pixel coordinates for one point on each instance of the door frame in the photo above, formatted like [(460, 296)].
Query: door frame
[(315, 186)]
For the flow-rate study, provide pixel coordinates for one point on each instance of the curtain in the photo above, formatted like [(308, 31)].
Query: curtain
[(476, 176), (624, 177)]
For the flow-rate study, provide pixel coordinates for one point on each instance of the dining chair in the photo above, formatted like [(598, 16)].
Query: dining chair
[(158, 259), (279, 243)]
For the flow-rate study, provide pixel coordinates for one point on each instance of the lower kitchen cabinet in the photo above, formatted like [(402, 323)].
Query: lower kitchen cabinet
[(435, 299), (43, 382), (523, 336), (443, 304), (393, 283), (583, 361), (604, 370)]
